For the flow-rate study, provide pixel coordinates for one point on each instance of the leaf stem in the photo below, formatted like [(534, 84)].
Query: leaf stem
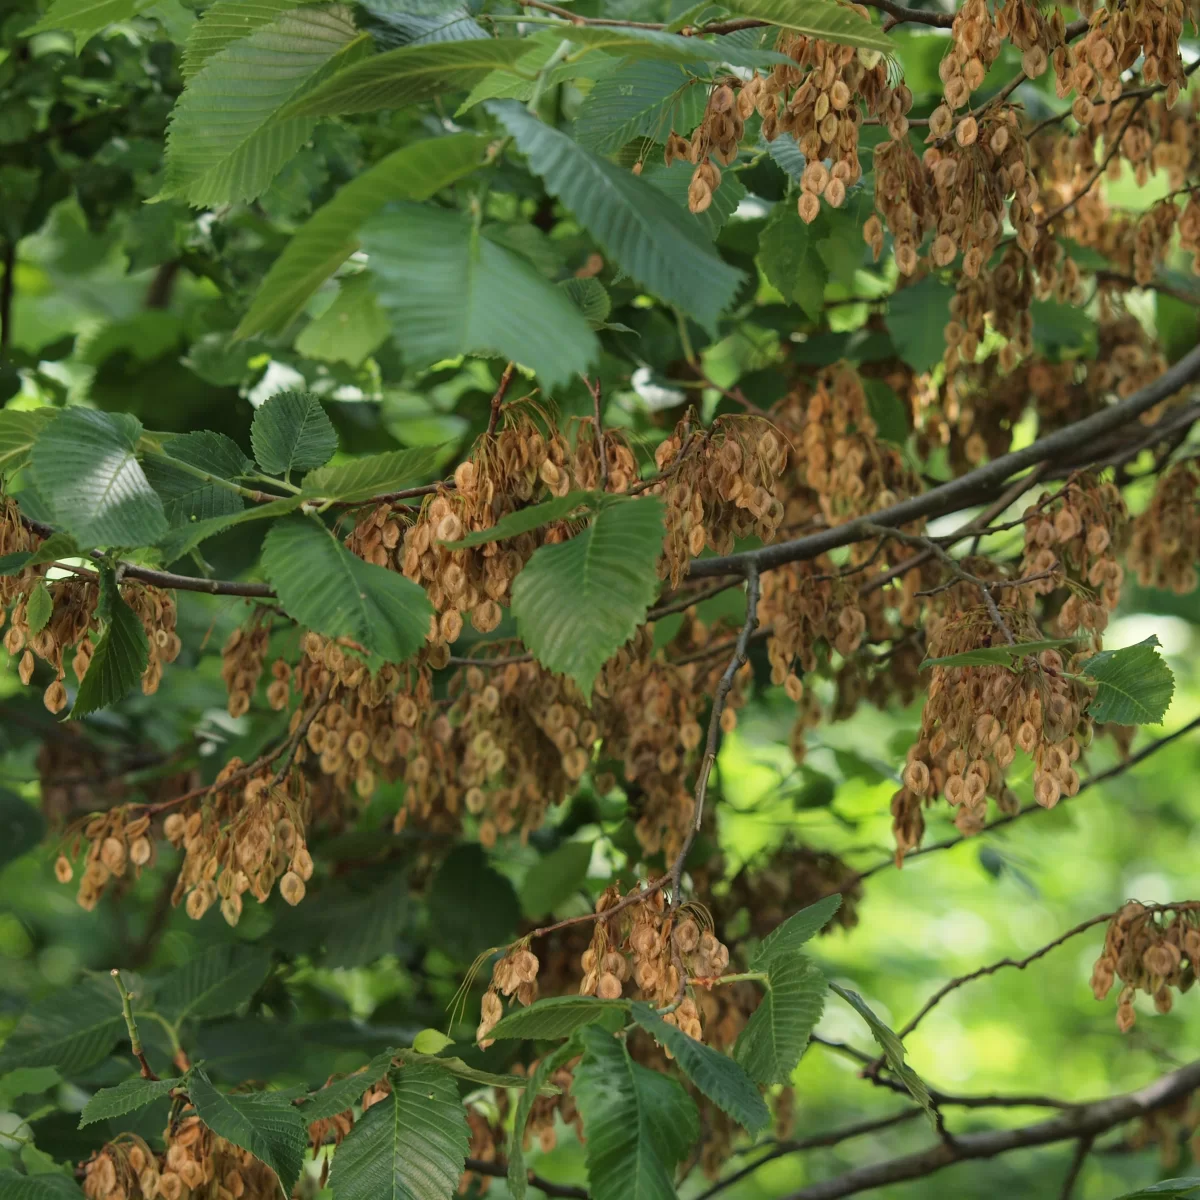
[(135, 1042)]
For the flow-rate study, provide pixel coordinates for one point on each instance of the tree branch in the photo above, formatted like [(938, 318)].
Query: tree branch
[(499, 1170), (1084, 1121)]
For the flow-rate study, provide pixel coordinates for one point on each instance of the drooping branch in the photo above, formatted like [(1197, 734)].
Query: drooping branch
[(1084, 1121)]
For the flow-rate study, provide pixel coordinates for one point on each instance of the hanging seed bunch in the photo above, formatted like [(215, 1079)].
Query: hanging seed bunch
[(488, 1139), (646, 945), (975, 721), (517, 466), (242, 838), (546, 1109), (242, 659), (200, 1163), (117, 846), (717, 136), (719, 485), (618, 456), (1028, 29), (1165, 544), (1075, 537), (1116, 38), (70, 625), (514, 975), (904, 200), (1169, 1128), (15, 538), (123, 1169), (795, 876), (155, 609), (819, 103), (974, 44), (1149, 951), (377, 535), (840, 457), (974, 173), (997, 300)]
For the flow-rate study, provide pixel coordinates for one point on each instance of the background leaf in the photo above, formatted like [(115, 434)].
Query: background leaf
[(450, 290), (1135, 684), (522, 520), (638, 1123), (823, 19), (273, 1130), (578, 602), (411, 1146), (72, 1029), (556, 1017), (770, 1045), (372, 474), (126, 1097), (554, 878), (212, 983), (330, 590), (22, 826), (799, 928), (85, 18), (639, 99), (117, 664), (292, 433), (629, 217), (84, 464)]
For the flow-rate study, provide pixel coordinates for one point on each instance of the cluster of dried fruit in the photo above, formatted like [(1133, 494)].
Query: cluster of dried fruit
[(1149, 950), (1164, 545)]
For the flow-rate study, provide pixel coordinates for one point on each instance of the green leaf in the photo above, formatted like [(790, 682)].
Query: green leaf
[(787, 155), (638, 1123), (770, 1045), (1167, 1189), (888, 412), (411, 1146), (213, 983), (449, 289), (591, 298), (27, 1081), (22, 826), (408, 76), (1135, 685), (350, 329), (789, 258), (120, 658), (224, 22), (19, 429), (516, 81), (37, 1187), (824, 19), (431, 1041), (636, 225), (328, 589), (342, 1094), (788, 937), (674, 181), (893, 1050), (56, 546), (211, 452), (463, 1070), (228, 137), (916, 319), (639, 99), (85, 18), (524, 519), (555, 877), (84, 465), (557, 1017), (670, 47), (578, 602), (126, 1097), (292, 433), (472, 907), (990, 656), (185, 496), (716, 1075), (518, 1177), (177, 542), (330, 236), (372, 475), (274, 1131), (72, 1029), (39, 608)]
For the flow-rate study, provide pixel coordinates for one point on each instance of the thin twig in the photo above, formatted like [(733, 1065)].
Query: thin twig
[(499, 1170), (135, 1042), (8, 286), (740, 654), (498, 398), (601, 455), (1083, 1148)]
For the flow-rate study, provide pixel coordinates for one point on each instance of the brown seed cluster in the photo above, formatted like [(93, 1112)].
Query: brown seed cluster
[(717, 136), (1164, 547), (242, 659), (656, 950), (124, 1169), (718, 484), (1149, 950), (244, 837), (1072, 538), (514, 975), (976, 719), (116, 847)]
